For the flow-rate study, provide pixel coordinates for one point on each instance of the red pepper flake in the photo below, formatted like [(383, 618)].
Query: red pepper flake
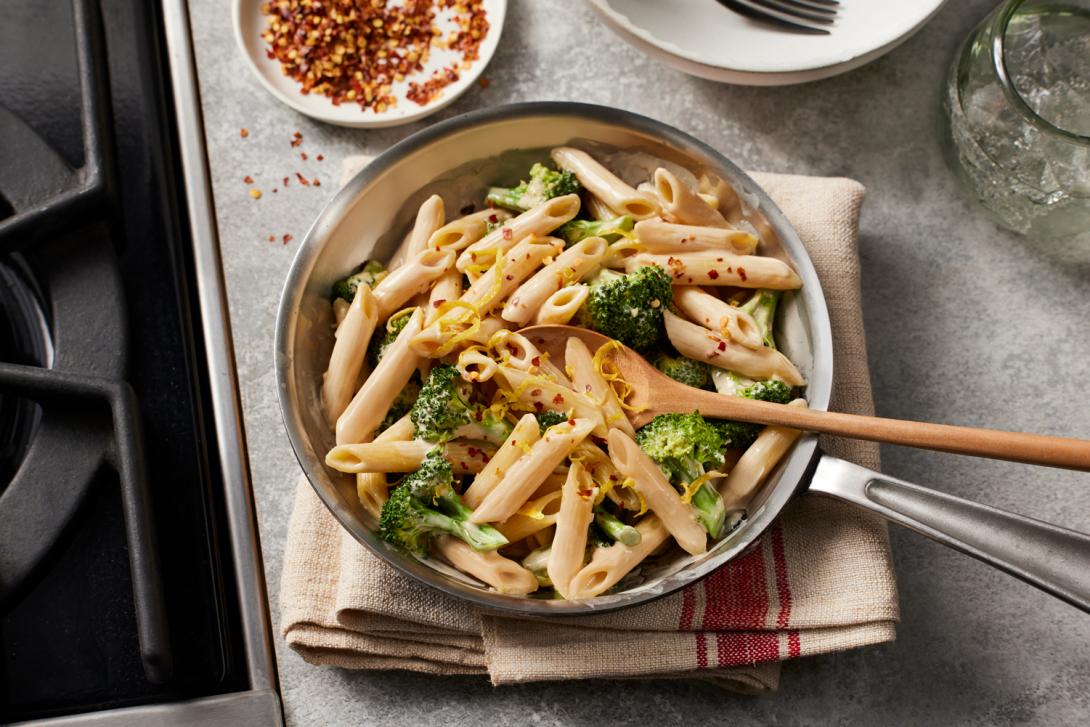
[(438, 302), (535, 361), (275, 190), (483, 82), (571, 421), (713, 274), (296, 139), (287, 238), (287, 181), (303, 155), (243, 132), (248, 179), (317, 182), (719, 259), (472, 451), (493, 219), (558, 399), (302, 180), (722, 346), (508, 233), (538, 406), (319, 157), (535, 392), (509, 277), (613, 478), (272, 238), (742, 273)]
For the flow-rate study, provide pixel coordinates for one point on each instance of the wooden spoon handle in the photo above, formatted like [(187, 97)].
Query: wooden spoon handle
[(995, 444)]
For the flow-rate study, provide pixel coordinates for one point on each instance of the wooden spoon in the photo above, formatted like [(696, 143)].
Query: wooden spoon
[(655, 393)]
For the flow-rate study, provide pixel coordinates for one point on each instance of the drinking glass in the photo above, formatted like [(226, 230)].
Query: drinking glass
[(1017, 103)]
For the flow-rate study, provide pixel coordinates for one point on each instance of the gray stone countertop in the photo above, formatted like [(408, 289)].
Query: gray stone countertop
[(966, 324)]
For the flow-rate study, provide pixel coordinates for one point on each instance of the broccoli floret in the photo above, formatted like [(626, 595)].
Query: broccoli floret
[(614, 528), (686, 370), (576, 230), (369, 273), (739, 435), (548, 418), (762, 307), (629, 307), (379, 343), (544, 184), (684, 446), (425, 504), (444, 410)]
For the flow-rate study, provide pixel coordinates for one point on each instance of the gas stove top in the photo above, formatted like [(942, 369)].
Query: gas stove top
[(130, 578)]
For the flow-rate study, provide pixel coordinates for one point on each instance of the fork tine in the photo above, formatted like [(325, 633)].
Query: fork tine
[(753, 9), (791, 7), (812, 6)]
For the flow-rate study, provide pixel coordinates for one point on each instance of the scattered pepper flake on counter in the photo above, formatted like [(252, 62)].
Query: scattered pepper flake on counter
[(303, 155), (243, 132), (319, 157), (287, 181), (272, 238), (248, 179), (483, 82), (354, 51), (296, 138), (317, 182), (302, 180), (255, 193), (287, 238)]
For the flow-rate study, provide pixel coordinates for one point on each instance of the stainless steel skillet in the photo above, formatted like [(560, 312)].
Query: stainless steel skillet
[(458, 159)]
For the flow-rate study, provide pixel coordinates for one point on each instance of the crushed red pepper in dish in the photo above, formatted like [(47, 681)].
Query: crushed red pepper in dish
[(356, 50)]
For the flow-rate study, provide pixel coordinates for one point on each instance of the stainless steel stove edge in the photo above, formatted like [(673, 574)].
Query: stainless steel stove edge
[(255, 707)]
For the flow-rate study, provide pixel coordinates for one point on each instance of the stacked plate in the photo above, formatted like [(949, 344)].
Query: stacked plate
[(704, 38)]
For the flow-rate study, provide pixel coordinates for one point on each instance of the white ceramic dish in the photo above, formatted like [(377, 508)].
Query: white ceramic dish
[(703, 38), (250, 23)]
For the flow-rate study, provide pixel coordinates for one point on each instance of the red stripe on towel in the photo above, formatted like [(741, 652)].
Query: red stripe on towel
[(736, 595), (783, 589), (735, 649), (701, 650), (794, 647), (688, 608)]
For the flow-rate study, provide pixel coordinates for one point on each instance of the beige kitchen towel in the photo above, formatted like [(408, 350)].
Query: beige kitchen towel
[(819, 581)]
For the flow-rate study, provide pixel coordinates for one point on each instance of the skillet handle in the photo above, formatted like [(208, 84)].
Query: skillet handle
[(1054, 559)]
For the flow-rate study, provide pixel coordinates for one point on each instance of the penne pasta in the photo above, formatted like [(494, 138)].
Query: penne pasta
[(530, 471), (503, 574), (609, 565), (708, 268), (717, 315), (570, 538), (475, 366), (659, 237), (518, 443), (340, 309), (540, 394), (539, 513), (371, 487), (415, 276), (662, 499), (757, 462), (484, 294), (561, 306), (429, 218), (683, 205), (447, 286), (571, 266), (369, 406), (604, 184), (589, 381), (465, 456), (697, 342), (598, 209), (516, 350), (346, 362), (730, 206), (464, 231), (536, 222)]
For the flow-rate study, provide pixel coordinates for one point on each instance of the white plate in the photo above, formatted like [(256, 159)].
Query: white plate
[(250, 23), (705, 39)]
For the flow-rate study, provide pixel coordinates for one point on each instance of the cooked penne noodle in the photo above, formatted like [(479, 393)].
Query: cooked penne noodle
[(681, 204), (485, 293), (535, 222), (659, 237), (598, 209), (528, 472), (709, 199), (429, 218), (661, 497), (697, 342), (447, 286), (570, 538), (516, 350), (609, 565), (707, 268), (561, 306), (717, 315), (415, 276), (463, 232), (369, 406), (540, 394), (758, 460), (465, 456), (503, 574), (346, 362), (606, 474), (571, 266), (371, 487), (475, 366), (552, 483), (518, 444), (490, 326), (536, 515), (587, 380), (730, 207), (604, 184), (340, 309)]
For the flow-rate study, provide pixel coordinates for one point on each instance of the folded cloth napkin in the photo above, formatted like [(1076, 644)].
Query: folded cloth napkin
[(819, 581)]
